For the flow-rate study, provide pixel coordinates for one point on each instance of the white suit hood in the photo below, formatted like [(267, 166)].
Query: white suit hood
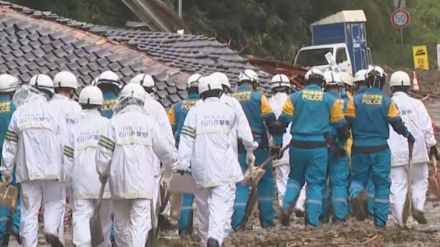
[(277, 103), (68, 108)]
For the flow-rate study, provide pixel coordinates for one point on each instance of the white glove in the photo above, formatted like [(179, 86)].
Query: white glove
[(181, 171), (250, 146), (250, 158), (6, 178)]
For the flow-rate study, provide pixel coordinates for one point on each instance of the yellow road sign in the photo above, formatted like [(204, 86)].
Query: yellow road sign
[(420, 57)]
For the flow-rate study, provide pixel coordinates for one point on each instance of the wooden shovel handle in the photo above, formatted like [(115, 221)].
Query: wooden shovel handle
[(434, 163)]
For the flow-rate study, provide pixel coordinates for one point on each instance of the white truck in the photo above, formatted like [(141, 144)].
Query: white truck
[(344, 36)]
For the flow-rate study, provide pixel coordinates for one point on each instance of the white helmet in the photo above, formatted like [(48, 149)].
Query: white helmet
[(280, 80), (91, 95), (360, 76), (346, 78), (144, 80), (314, 73), (222, 78), (65, 79), (332, 78), (400, 78), (376, 77), (209, 83), (8, 83), (42, 82), (248, 75), (134, 91), (193, 80), (109, 78)]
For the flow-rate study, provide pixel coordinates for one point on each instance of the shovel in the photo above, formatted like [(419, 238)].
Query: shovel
[(253, 196), (407, 206), (258, 171), (434, 179), (95, 222)]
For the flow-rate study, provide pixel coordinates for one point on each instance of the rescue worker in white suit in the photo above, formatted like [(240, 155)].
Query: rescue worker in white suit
[(418, 122), (205, 149), (34, 145), (156, 111), (281, 88), (80, 165), (126, 156), (243, 130), (65, 85)]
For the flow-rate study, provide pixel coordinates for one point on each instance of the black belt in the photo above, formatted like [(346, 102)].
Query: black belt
[(369, 150), (310, 144)]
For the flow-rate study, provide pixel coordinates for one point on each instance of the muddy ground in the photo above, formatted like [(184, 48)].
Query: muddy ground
[(351, 233)]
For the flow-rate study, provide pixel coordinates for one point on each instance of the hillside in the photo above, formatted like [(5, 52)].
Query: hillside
[(274, 28)]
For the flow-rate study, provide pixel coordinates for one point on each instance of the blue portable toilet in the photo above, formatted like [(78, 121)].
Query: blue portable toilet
[(347, 27)]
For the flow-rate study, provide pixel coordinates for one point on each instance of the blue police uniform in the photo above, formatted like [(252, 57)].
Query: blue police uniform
[(337, 174), (7, 108), (369, 114), (259, 115), (177, 115), (110, 100), (312, 113)]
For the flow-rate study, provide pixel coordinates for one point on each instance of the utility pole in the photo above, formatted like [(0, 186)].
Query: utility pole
[(179, 7)]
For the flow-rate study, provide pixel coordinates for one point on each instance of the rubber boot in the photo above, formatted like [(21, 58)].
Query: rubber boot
[(285, 217), (53, 241), (419, 216), (213, 243), (359, 207)]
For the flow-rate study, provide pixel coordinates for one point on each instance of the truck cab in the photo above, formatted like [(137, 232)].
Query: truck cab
[(344, 35), (314, 56)]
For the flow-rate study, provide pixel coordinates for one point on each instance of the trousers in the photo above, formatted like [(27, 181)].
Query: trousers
[(186, 214), (337, 188), (82, 211), (132, 221), (265, 188), (214, 210), (309, 165), (52, 196), (399, 186), (378, 166)]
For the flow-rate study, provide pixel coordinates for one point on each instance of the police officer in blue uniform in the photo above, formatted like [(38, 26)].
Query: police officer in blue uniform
[(369, 115), (177, 115), (8, 85), (313, 113), (338, 169), (110, 85), (261, 120)]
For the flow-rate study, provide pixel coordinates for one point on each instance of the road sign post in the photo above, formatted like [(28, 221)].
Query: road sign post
[(400, 19)]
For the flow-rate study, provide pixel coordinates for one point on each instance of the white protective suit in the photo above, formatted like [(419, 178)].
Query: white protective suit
[(156, 111), (68, 108), (243, 131), (126, 154), (205, 143), (283, 165), (419, 123), (80, 166), (34, 145)]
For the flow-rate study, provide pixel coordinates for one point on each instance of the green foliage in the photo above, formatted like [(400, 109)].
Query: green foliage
[(274, 28)]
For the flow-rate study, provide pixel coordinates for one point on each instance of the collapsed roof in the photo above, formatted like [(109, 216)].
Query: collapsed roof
[(33, 41)]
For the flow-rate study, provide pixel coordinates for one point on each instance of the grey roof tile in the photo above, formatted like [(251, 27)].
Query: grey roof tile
[(27, 48)]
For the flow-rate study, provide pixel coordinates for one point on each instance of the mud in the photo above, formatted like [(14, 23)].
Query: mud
[(350, 233)]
